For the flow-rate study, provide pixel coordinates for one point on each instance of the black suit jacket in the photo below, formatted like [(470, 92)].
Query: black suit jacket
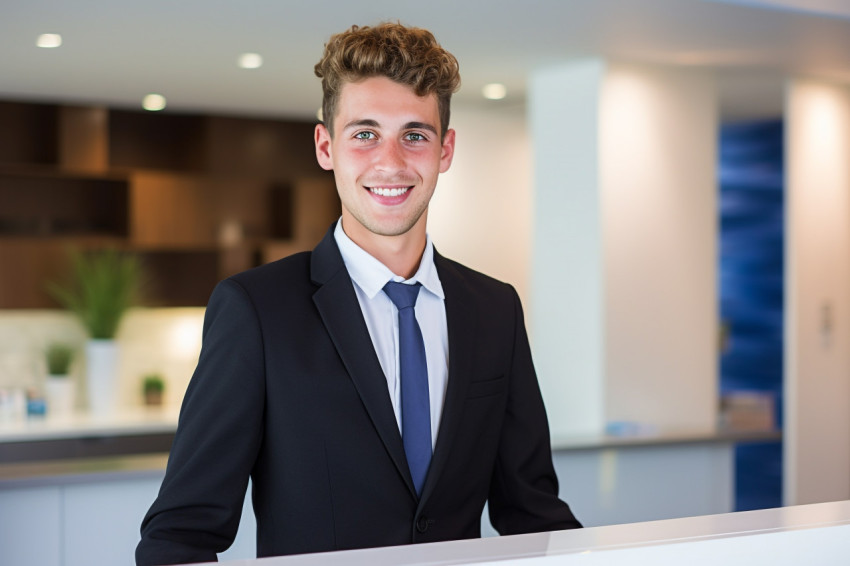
[(289, 391)]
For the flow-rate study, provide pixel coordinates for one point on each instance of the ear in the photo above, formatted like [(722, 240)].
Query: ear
[(323, 147), (448, 151)]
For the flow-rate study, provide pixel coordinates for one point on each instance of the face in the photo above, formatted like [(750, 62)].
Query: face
[(386, 155)]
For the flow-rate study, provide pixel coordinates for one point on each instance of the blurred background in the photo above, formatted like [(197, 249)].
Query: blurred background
[(665, 182)]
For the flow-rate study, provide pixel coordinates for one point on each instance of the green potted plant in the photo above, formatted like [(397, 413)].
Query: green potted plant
[(59, 357), (59, 387), (153, 387), (103, 285)]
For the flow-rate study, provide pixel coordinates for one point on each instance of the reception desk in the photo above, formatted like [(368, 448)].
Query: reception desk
[(810, 534), (71, 485)]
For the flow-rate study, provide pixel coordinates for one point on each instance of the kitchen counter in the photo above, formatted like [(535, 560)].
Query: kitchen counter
[(662, 437), (85, 447), (152, 421), (139, 439), (135, 421)]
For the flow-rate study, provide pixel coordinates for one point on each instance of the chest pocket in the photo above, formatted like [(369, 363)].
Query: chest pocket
[(486, 388)]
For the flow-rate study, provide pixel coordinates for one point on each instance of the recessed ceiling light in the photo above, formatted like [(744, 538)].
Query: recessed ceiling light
[(250, 60), (494, 91), (49, 40), (153, 102)]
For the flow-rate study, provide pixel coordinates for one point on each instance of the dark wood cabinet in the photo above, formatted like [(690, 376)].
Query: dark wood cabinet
[(198, 197)]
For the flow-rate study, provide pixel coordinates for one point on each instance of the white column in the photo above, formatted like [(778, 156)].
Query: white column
[(623, 280), (817, 313), (567, 282)]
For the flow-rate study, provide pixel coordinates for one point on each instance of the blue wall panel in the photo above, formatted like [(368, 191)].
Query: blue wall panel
[(752, 212)]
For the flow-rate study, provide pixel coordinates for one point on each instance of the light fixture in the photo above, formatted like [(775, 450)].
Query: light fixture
[(49, 40), (250, 60), (153, 102), (494, 91)]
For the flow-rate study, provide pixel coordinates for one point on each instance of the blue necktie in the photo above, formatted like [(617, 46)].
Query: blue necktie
[(415, 403)]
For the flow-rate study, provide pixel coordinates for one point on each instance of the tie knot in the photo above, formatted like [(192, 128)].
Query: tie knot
[(402, 296)]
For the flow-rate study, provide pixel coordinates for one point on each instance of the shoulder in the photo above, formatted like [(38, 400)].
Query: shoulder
[(288, 276), (294, 267), (452, 268), (458, 278)]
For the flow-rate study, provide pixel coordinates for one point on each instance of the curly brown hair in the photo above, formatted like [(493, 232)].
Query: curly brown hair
[(406, 55)]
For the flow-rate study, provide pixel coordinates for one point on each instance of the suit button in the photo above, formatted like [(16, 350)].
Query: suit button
[(422, 524)]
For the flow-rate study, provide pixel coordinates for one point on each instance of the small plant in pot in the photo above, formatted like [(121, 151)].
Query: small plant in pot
[(59, 387), (153, 387), (59, 357)]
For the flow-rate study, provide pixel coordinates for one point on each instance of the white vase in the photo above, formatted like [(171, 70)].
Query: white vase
[(101, 375), (59, 393)]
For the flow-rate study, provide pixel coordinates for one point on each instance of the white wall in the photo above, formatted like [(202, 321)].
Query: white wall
[(481, 212), (163, 340), (817, 325), (658, 146), (625, 305)]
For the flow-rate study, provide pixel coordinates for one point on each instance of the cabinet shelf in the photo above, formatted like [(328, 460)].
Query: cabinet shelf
[(170, 142), (48, 205), (29, 133), (198, 197)]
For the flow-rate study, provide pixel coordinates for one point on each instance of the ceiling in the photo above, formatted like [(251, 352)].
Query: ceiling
[(114, 51)]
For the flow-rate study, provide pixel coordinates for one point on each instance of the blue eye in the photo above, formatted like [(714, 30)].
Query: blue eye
[(364, 136), (415, 136)]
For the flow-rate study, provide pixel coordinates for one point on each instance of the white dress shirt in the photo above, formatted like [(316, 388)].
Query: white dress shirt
[(370, 276)]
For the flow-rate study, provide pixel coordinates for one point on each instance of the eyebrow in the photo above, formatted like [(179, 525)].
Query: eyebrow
[(361, 123), (369, 123), (420, 126)]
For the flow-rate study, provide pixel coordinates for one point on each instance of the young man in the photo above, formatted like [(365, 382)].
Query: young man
[(360, 422)]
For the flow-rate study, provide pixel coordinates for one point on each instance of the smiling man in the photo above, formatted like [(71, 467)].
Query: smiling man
[(375, 392), (388, 151)]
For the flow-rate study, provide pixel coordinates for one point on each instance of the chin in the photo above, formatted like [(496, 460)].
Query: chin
[(391, 231), (392, 228)]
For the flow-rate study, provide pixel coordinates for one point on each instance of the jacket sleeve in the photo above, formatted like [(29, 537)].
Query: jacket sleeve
[(220, 429), (524, 488)]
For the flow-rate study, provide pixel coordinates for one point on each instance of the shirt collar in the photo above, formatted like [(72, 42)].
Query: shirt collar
[(371, 275)]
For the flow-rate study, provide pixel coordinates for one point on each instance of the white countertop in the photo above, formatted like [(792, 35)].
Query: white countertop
[(653, 436), (157, 420), (130, 421), (807, 534), (149, 422)]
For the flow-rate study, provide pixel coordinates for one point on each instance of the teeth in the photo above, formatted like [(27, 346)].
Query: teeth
[(385, 192)]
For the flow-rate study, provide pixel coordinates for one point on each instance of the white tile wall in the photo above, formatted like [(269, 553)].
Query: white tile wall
[(166, 341)]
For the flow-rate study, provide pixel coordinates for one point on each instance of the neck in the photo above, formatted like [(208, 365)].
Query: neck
[(401, 254)]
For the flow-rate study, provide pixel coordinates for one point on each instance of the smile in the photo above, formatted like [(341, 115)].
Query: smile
[(389, 192)]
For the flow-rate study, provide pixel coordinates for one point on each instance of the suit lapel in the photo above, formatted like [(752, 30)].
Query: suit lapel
[(340, 311), (462, 323)]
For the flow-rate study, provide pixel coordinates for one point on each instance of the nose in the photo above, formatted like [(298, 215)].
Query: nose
[(390, 157)]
